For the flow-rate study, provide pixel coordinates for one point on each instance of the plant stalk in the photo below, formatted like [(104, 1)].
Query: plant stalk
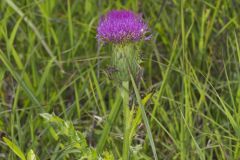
[(127, 119)]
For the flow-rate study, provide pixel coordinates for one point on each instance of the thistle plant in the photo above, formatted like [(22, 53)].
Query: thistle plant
[(122, 29)]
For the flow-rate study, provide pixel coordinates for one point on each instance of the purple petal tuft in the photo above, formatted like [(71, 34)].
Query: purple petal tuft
[(121, 26)]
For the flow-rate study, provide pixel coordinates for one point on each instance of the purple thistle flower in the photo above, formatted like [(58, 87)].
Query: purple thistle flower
[(121, 26)]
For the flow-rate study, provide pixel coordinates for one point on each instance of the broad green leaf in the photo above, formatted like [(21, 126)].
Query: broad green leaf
[(31, 155), (51, 118)]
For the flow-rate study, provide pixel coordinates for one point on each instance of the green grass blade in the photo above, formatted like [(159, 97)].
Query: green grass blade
[(44, 76), (109, 124), (145, 120), (34, 28), (19, 79), (14, 148), (99, 93)]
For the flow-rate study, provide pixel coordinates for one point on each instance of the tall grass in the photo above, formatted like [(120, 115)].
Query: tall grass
[(55, 95)]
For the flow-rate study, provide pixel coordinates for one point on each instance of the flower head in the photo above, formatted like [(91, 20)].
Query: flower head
[(121, 26)]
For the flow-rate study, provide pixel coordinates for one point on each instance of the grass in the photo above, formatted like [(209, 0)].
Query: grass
[(56, 99)]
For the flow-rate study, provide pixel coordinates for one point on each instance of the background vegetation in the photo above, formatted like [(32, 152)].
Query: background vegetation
[(55, 96)]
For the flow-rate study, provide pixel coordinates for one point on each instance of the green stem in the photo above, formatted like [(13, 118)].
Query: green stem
[(112, 117), (127, 119)]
